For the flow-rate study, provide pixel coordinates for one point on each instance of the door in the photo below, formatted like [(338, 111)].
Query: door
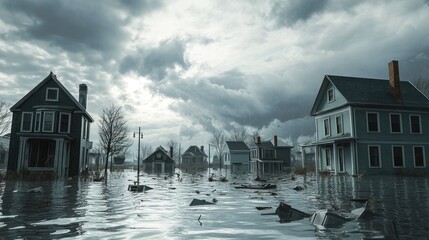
[(328, 158), (341, 159)]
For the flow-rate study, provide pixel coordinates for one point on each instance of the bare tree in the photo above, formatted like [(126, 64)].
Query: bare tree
[(114, 133), (175, 146), (146, 150), (5, 117), (218, 142), (238, 134), (423, 85)]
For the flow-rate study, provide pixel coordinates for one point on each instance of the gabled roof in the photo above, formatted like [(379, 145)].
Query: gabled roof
[(265, 145), (194, 151), (51, 77), (237, 146), (161, 150), (372, 92)]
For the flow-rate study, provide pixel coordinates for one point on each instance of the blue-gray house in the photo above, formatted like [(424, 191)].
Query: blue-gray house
[(371, 126), (237, 156)]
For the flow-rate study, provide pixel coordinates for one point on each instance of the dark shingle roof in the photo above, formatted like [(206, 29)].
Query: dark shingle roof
[(237, 145), (376, 91), (194, 151)]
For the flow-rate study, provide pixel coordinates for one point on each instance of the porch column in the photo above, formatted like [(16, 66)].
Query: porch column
[(335, 160), (316, 159), (21, 154), (352, 157), (153, 167), (303, 156), (163, 167)]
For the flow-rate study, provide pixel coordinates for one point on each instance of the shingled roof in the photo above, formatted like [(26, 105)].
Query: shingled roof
[(194, 151), (237, 146), (373, 92)]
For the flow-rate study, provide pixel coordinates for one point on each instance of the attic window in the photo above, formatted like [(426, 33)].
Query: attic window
[(331, 96), (52, 94)]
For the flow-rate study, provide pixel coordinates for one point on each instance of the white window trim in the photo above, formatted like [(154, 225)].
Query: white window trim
[(37, 126), (22, 121), (329, 127), (424, 157), (333, 95), (52, 100), (379, 156), (59, 122), (342, 124), (367, 122), (393, 157), (420, 124), (44, 120), (400, 123)]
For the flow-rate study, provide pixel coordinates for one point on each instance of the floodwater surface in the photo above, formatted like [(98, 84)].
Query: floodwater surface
[(84, 209)]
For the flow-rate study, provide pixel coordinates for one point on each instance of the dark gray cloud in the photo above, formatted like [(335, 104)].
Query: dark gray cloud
[(232, 79), (71, 25), (155, 62), (287, 13), (141, 6)]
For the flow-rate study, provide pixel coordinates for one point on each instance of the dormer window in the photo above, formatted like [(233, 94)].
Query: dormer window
[(52, 94), (331, 95)]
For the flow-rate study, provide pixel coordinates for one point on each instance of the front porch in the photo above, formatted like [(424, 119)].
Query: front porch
[(261, 167)]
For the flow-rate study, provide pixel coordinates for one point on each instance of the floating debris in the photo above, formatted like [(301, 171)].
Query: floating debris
[(327, 218), (196, 202), (263, 208), (138, 188), (298, 188), (287, 214), (265, 186)]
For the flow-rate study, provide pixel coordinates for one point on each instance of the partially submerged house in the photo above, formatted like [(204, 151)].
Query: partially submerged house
[(159, 162), (269, 158), (371, 126), (194, 159), (237, 156), (50, 130)]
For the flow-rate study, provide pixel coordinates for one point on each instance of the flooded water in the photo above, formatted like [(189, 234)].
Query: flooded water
[(80, 209)]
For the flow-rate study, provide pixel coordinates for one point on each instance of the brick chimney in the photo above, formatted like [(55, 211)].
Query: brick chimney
[(394, 84), (171, 152), (275, 140), (83, 93), (202, 148), (258, 140)]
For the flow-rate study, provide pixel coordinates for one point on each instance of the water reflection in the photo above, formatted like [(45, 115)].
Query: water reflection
[(86, 209)]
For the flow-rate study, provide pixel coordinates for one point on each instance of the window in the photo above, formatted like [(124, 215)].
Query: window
[(327, 127), (51, 94), (415, 124), (372, 119), (419, 157), (339, 123), (37, 122), (64, 124), (374, 156), (398, 157), (331, 96), (328, 157), (395, 123), (48, 122), (269, 154), (26, 123)]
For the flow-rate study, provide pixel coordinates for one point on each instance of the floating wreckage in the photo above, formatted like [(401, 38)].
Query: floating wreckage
[(264, 186), (329, 218), (197, 202), (288, 214), (138, 188)]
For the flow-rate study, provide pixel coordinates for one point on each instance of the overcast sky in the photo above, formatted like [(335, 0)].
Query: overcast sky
[(181, 69)]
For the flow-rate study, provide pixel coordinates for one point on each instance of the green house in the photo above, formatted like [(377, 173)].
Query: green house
[(371, 126)]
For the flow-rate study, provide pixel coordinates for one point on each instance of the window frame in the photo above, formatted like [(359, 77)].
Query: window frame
[(333, 95), (22, 121), (391, 124), (37, 121), (393, 156), (420, 124), (327, 134), (367, 122), (328, 153), (424, 157), (47, 94), (68, 122), (379, 156), (341, 123), (44, 121)]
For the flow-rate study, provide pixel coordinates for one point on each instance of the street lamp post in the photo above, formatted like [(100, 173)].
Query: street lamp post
[(138, 155)]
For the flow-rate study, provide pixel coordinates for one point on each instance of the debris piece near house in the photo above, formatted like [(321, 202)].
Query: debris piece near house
[(265, 186), (263, 208), (197, 202), (288, 214), (327, 218), (138, 188), (298, 188)]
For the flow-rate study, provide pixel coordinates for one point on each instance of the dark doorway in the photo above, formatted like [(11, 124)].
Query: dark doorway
[(42, 153)]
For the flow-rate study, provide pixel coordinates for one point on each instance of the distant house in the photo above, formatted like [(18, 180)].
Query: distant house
[(50, 130), (237, 156), (269, 158), (194, 159), (159, 162), (4, 150), (371, 126)]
